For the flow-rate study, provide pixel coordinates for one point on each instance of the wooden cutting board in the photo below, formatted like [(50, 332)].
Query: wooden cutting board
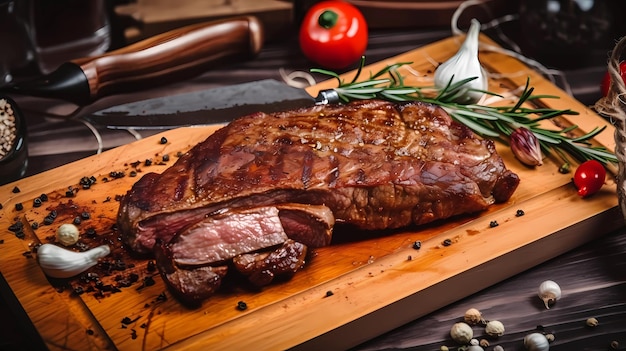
[(348, 292)]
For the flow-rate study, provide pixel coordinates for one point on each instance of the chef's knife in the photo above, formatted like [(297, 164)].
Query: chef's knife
[(174, 55), (212, 106)]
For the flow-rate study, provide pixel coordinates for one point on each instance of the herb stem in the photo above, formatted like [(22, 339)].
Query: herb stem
[(488, 121)]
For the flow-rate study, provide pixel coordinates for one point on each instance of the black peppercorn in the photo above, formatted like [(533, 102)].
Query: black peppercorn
[(16, 190), (519, 213), (19, 206), (417, 245), (493, 224), (447, 242), (242, 306), (36, 202), (163, 140)]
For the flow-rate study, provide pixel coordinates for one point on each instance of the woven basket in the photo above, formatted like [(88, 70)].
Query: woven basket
[(613, 106)]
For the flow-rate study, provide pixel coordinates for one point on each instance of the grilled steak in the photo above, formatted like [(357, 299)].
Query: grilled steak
[(370, 164)]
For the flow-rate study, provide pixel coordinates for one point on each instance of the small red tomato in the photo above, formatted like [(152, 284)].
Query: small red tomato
[(589, 177), (606, 81), (333, 34)]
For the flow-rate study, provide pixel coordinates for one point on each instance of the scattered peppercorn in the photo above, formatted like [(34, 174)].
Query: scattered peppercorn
[(1, 241), (37, 202), (242, 306), (166, 158), (116, 175), (417, 245), (519, 213), (89, 332), (409, 258), (447, 242), (329, 293), (133, 173), (19, 206), (85, 215), (592, 322), (34, 225), (147, 162), (151, 267), (162, 297), (77, 220), (493, 224), (133, 334), (16, 190), (43, 197), (163, 140)]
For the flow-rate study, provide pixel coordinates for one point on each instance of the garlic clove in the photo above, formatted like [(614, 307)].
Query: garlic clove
[(549, 292), (463, 65), (525, 147), (536, 342), (58, 262)]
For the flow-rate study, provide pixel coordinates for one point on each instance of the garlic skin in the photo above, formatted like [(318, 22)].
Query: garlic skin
[(464, 64), (549, 292), (525, 147), (536, 342), (58, 262)]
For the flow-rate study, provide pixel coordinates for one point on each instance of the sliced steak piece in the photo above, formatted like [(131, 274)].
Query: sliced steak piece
[(374, 164), (221, 237), (262, 267), (307, 224), (190, 286)]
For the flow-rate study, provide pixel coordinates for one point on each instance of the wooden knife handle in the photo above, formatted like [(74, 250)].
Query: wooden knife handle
[(174, 55)]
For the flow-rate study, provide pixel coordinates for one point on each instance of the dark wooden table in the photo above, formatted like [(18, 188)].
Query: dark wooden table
[(593, 277)]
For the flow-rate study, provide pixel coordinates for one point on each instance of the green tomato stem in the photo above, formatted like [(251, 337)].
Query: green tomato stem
[(328, 19)]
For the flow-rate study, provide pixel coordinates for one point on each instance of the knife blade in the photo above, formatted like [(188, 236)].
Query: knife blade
[(174, 55), (210, 106)]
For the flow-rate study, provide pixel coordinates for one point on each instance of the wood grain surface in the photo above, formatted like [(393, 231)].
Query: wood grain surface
[(375, 286)]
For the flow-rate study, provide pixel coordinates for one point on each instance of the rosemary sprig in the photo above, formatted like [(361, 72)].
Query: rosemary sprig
[(488, 121)]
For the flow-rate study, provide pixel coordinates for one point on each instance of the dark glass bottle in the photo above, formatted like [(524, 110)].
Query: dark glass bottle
[(564, 33)]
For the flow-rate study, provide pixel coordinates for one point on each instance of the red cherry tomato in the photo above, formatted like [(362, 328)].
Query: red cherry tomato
[(333, 34), (589, 177), (606, 81)]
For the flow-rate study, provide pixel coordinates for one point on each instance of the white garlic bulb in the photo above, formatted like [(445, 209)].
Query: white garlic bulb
[(461, 333), (536, 342), (58, 262), (549, 292), (67, 234), (463, 65)]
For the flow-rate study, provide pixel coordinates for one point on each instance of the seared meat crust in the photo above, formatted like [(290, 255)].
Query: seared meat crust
[(374, 164)]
